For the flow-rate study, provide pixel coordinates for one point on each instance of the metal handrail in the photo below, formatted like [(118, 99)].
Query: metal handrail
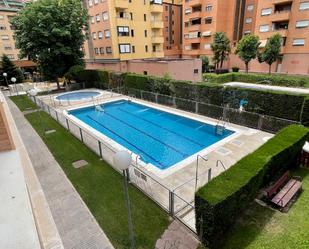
[(196, 171), (222, 164)]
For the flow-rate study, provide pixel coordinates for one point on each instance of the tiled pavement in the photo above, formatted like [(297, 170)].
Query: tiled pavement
[(76, 225)]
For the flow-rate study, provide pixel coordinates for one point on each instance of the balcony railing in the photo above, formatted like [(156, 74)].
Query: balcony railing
[(157, 24), (157, 39), (121, 4)]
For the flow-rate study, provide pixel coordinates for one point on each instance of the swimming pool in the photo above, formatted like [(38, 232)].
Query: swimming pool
[(78, 95), (160, 138)]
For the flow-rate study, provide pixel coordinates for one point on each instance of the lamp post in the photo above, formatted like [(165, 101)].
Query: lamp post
[(122, 160), (13, 79), (5, 75), (34, 93)]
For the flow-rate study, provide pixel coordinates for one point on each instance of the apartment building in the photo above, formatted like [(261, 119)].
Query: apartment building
[(123, 30), (172, 30), (291, 20), (8, 10)]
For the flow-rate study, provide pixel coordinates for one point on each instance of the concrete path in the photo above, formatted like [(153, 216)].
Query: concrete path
[(269, 87), (76, 225), (176, 236)]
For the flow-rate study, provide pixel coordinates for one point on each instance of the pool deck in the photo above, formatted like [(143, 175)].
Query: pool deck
[(182, 179)]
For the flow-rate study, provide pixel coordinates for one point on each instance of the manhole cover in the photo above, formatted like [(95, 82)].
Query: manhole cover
[(80, 163), (223, 151)]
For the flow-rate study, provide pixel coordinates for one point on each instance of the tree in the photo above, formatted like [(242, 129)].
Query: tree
[(7, 66), (271, 52), (50, 32), (221, 48), (205, 63), (247, 49)]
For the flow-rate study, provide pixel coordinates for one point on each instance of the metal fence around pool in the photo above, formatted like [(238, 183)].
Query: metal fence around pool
[(166, 198)]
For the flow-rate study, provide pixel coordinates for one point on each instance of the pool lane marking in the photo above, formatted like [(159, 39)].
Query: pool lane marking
[(99, 123), (178, 134), (148, 135)]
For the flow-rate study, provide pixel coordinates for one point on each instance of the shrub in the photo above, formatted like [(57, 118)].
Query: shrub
[(305, 112), (215, 78), (73, 72), (93, 78), (219, 203), (221, 71)]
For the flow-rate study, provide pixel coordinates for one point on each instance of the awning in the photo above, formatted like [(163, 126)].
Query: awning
[(193, 35), (206, 33)]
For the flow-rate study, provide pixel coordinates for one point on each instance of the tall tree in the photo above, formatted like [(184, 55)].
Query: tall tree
[(247, 49), (271, 52), (50, 32), (221, 48), (8, 67), (205, 63)]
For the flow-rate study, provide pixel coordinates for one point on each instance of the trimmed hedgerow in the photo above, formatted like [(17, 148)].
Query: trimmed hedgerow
[(93, 78), (219, 203), (280, 80), (305, 112)]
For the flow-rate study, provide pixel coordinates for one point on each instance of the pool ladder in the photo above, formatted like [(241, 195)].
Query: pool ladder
[(220, 127), (97, 106)]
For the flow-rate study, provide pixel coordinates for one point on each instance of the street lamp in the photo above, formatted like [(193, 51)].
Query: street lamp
[(122, 160), (5, 75), (13, 79)]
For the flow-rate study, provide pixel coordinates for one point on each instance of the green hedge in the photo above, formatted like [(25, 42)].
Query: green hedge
[(280, 80), (219, 203), (93, 78)]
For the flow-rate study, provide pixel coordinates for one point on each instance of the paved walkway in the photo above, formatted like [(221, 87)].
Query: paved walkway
[(177, 237), (269, 87), (76, 225)]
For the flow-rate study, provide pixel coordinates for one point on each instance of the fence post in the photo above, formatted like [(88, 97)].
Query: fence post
[(196, 107), (209, 175), (174, 102), (67, 121), (156, 97), (260, 122), (57, 116), (81, 135), (48, 109), (100, 149), (171, 203), (141, 94)]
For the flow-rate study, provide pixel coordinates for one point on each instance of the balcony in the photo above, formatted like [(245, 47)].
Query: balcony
[(282, 32), (158, 54), (157, 39), (281, 15), (123, 21), (157, 24), (156, 8), (121, 4), (194, 2)]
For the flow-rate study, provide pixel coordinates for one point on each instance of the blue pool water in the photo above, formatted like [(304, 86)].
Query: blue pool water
[(160, 138), (78, 95)]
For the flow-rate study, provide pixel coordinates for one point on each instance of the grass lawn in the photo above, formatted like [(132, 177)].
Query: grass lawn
[(102, 188), (23, 102), (263, 228)]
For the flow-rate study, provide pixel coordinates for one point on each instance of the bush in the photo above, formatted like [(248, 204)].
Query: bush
[(278, 80), (221, 71), (219, 203), (93, 78), (73, 72)]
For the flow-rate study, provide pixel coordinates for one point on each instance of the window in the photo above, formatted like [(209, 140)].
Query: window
[(124, 48), (187, 11), (108, 50), (133, 49), (264, 28), (96, 1), (96, 50), (145, 17), (10, 56), (208, 8), (208, 20), (4, 37), (92, 19), (7, 47), (132, 32), (298, 42), (123, 31), (188, 47), (207, 46), (145, 72), (266, 12), (97, 17), (304, 6), (250, 7), (145, 33), (249, 20), (100, 35), (156, 1), (186, 24), (101, 50), (107, 33), (2, 28), (105, 16), (195, 71), (302, 24), (94, 35), (1, 17), (146, 48), (90, 3), (131, 15), (247, 32)]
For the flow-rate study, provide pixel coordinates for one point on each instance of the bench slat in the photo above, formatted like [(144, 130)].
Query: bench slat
[(274, 188), (287, 193)]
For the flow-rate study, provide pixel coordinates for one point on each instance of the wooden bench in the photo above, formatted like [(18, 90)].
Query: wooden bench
[(287, 193), (273, 189)]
